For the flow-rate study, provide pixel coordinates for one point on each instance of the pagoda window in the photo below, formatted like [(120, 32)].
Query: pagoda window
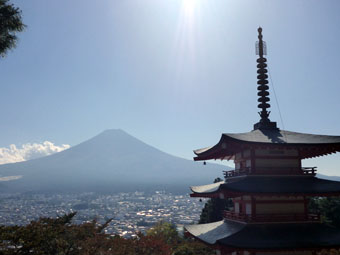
[(243, 161)]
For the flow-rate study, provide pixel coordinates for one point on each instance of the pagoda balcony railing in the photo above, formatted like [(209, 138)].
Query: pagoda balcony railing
[(270, 170), (309, 170), (271, 217), (238, 172)]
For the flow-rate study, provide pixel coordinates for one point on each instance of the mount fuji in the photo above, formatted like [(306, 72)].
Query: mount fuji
[(110, 161)]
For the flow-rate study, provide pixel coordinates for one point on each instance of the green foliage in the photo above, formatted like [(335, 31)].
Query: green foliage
[(48, 236), (10, 24), (165, 231), (213, 208), (180, 246), (328, 207), (192, 247), (59, 236)]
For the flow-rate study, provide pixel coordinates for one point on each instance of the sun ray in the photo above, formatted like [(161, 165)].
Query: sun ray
[(186, 35), (187, 40)]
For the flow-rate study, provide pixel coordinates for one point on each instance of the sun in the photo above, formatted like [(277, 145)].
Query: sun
[(189, 6), (189, 3), (189, 9)]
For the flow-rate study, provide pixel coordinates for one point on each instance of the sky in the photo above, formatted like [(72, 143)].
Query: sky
[(173, 73)]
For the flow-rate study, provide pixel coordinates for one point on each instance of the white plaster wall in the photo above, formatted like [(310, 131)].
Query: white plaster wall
[(248, 209), (237, 207)]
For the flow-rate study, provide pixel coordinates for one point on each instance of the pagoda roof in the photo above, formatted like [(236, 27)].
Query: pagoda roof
[(269, 185), (230, 144), (266, 236)]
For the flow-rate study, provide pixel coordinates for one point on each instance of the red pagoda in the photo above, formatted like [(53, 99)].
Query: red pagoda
[(269, 187)]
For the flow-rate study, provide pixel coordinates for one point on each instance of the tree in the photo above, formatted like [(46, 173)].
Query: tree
[(165, 231), (10, 24), (193, 247), (49, 236), (213, 208), (179, 245), (329, 209)]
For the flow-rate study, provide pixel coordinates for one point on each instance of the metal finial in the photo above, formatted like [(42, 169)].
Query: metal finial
[(262, 87), (262, 79), (261, 47)]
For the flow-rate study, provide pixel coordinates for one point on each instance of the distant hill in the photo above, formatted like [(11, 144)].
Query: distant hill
[(327, 177), (110, 161)]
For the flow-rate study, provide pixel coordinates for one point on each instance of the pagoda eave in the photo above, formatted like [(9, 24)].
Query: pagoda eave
[(238, 194), (266, 237), (230, 249), (309, 145), (269, 186)]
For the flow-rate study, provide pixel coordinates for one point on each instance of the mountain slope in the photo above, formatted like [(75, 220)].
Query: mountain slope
[(328, 177), (112, 160)]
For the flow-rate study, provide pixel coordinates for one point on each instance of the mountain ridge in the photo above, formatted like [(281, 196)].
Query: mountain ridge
[(111, 158)]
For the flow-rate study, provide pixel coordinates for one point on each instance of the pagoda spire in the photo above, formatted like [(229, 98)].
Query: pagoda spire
[(263, 87)]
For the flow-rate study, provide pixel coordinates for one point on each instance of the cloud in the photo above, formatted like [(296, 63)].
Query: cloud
[(10, 178), (29, 151)]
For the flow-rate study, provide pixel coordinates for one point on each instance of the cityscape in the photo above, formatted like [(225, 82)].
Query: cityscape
[(131, 212)]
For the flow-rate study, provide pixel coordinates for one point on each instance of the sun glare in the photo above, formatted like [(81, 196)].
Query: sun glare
[(189, 7), (186, 36)]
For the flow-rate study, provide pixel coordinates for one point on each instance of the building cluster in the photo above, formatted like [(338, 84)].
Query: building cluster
[(130, 212)]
